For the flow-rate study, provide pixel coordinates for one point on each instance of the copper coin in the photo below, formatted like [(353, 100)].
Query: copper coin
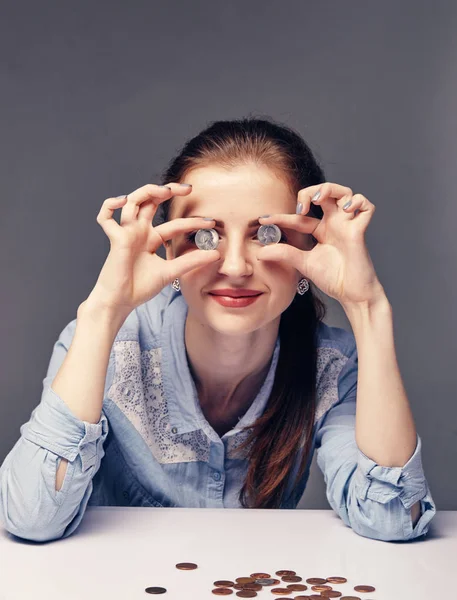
[(280, 591), (292, 578), (331, 594), (321, 588), (221, 591), (155, 590), (364, 588), (316, 596), (246, 594), (253, 587), (316, 581), (350, 598), (300, 598), (245, 580), (336, 579), (260, 575), (271, 581), (297, 587), (285, 572), (186, 566), (224, 583)]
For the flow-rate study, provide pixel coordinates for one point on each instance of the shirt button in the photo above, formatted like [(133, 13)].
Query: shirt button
[(216, 475)]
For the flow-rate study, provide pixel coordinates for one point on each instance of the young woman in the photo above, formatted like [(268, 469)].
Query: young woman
[(208, 379)]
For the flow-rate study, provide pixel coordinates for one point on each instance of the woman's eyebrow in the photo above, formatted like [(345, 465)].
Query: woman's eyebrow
[(222, 224)]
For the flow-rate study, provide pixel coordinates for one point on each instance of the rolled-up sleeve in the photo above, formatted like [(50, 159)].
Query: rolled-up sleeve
[(374, 500), (30, 506)]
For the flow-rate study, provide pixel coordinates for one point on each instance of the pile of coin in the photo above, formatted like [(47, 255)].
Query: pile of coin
[(248, 587)]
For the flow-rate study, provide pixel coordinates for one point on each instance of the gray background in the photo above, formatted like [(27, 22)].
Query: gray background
[(98, 96)]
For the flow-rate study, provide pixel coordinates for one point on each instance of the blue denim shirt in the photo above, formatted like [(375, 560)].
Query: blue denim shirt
[(153, 446)]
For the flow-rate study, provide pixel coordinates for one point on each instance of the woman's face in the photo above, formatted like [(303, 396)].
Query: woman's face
[(234, 198)]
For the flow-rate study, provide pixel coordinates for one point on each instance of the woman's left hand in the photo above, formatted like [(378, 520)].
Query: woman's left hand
[(339, 264)]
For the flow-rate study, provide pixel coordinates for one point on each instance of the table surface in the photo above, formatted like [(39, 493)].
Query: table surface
[(117, 552)]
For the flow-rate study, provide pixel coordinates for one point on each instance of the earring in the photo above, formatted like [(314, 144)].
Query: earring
[(175, 285), (303, 286)]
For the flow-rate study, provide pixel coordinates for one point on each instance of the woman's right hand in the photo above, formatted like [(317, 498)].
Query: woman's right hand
[(133, 273)]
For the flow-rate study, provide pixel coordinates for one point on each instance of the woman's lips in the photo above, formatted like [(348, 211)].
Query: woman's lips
[(231, 302)]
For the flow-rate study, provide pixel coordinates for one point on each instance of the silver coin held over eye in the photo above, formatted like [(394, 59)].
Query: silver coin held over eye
[(269, 234), (207, 239)]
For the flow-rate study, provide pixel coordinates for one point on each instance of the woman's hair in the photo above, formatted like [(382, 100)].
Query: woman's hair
[(285, 429)]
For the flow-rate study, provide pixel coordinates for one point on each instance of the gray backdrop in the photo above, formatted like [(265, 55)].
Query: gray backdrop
[(98, 96)]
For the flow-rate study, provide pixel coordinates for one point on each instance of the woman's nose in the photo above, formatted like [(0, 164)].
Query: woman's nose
[(236, 259)]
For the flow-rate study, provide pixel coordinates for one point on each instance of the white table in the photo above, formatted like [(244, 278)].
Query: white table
[(117, 552)]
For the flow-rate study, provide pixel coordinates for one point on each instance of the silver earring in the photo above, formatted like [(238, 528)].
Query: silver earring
[(175, 285), (303, 286)]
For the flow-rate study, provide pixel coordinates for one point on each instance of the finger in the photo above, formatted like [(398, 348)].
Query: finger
[(105, 215), (360, 207), (161, 234), (329, 193), (294, 222), (152, 193), (284, 253), (176, 267), (148, 209)]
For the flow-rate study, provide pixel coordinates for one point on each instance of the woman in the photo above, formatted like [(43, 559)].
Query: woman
[(214, 391)]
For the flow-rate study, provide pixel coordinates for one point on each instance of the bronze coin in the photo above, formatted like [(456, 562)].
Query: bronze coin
[(364, 588), (321, 588), (316, 581), (246, 594), (350, 598), (260, 575), (254, 587), (155, 590), (285, 572), (245, 580), (336, 579), (186, 566), (221, 591), (223, 583), (280, 591), (316, 596), (292, 578), (300, 598), (297, 587), (331, 594)]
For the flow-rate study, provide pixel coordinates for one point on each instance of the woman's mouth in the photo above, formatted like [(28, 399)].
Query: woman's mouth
[(235, 302)]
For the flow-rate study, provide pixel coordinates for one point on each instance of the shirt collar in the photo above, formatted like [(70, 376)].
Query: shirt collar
[(184, 409)]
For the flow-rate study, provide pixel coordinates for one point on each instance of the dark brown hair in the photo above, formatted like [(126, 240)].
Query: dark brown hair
[(285, 429)]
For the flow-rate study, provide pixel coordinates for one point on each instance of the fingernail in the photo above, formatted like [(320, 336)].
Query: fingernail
[(208, 219), (299, 208), (186, 184), (264, 216), (316, 197), (347, 205)]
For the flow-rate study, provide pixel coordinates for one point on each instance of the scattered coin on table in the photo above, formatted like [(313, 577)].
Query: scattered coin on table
[(224, 583), (221, 591), (280, 591), (186, 566), (364, 588), (297, 587), (155, 590), (246, 594), (285, 572), (336, 579)]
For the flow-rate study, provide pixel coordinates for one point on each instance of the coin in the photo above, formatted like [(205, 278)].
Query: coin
[(316, 581), (280, 591), (268, 234), (221, 591), (350, 598), (246, 594), (285, 572), (254, 587), (186, 566), (364, 588), (336, 579), (270, 581), (245, 580), (260, 575), (292, 578), (155, 590), (321, 588), (207, 239), (297, 587), (331, 594), (223, 583)]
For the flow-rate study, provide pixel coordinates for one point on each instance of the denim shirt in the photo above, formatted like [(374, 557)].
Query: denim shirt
[(153, 446)]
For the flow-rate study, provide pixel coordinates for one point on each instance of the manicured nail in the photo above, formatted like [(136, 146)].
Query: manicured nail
[(208, 219), (264, 216), (316, 197), (347, 205), (186, 184), (299, 208)]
